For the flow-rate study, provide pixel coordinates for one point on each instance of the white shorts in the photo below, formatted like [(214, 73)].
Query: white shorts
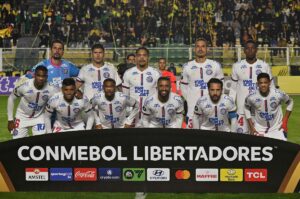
[(242, 124), (280, 135), (57, 127), (23, 124)]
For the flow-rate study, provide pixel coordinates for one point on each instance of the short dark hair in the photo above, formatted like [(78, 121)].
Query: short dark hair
[(109, 80), (57, 41), (202, 39), (96, 46), (41, 68), (68, 82), (250, 41), (263, 75), (163, 79), (214, 81), (143, 48), (131, 54)]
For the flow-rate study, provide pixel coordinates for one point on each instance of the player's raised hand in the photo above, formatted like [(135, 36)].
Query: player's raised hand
[(10, 125)]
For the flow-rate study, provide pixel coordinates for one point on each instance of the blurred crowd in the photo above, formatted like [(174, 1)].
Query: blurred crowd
[(125, 23)]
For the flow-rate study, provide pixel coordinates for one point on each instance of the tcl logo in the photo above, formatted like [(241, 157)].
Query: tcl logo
[(256, 175), (85, 174)]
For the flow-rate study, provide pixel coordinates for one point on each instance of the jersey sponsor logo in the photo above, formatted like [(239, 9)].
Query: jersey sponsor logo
[(182, 174), (91, 70), (76, 104), (208, 66), (118, 109), (258, 66), (109, 174), (209, 72), (135, 73), (117, 102), (201, 84), (207, 175), (222, 105), (106, 75), (97, 85), (35, 106), (256, 175), (61, 174), (216, 121), (193, 67), (258, 72), (111, 118), (105, 69), (243, 66), (36, 174), (266, 116), (46, 92), (40, 127), (134, 174), (158, 174), (149, 79), (273, 99), (163, 121), (103, 104), (148, 73), (85, 174), (248, 83), (141, 91), (231, 175), (257, 100), (62, 105), (170, 106), (208, 106), (29, 91), (156, 105), (65, 71)]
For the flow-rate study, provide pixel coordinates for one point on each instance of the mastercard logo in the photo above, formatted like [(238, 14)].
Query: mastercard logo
[(182, 174)]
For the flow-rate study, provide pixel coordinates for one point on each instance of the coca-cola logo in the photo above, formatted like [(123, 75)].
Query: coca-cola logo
[(85, 174)]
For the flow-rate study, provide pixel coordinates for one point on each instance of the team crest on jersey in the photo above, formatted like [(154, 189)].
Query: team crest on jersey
[(149, 79), (62, 105), (148, 73), (118, 109), (243, 66), (45, 98), (194, 68), (106, 75), (258, 72), (76, 110), (65, 71), (91, 70), (208, 66), (273, 105), (223, 111), (171, 111), (209, 72)]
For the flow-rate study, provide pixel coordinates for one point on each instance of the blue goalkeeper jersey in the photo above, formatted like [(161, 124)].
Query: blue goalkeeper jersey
[(57, 73)]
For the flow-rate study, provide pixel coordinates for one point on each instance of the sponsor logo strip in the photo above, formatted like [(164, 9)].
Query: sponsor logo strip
[(256, 175), (207, 175), (158, 174), (85, 174), (109, 174), (231, 175), (36, 174), (61, 174), (134, 174)]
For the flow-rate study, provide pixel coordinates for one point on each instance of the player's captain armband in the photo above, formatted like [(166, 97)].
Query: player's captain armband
[(232, 114)]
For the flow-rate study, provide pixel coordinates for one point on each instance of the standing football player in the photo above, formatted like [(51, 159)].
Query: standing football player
[(140, 81), (195, 76), (215, 111), (111, 112), (68, 109), (268, 120), (34, 94), (244, 75), (164, 109)]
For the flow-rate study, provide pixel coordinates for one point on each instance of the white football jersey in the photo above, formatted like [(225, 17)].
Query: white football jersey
[(140, 84), (157, 114), (214, 116), (68, 114), (93, 78), (268, 113), (244, 76), (112, 114), (33, 101), (194, 80)]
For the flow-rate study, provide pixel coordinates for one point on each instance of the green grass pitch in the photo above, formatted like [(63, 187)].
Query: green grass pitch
[(293, 136)]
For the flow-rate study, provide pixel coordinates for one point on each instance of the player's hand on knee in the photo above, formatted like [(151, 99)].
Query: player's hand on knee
[(126, 126), (10, 125)]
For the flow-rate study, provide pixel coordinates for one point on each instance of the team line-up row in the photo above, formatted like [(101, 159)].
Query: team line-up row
[(56, 96)]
